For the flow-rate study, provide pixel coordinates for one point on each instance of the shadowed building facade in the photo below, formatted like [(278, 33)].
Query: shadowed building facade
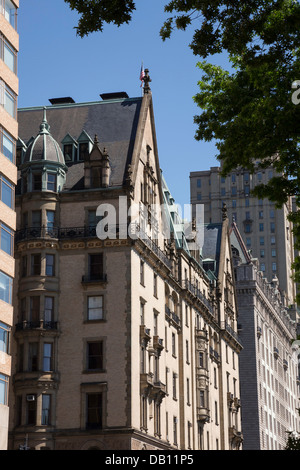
[(120, 332)]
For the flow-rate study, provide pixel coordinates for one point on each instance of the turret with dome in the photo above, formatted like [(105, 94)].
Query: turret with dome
[(43, 167)]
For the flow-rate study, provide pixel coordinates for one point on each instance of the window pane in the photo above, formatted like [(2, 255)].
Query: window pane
[(46, 403), (48, 313), (95, 358), (6, 192), (10, 13), (4, 337), (10, 102), (94, 410), (8, 146), (6, 283), (47, 358), (3, 389), (6, 239), (95, 308), (49, 265), (51, 182), (9, 57)]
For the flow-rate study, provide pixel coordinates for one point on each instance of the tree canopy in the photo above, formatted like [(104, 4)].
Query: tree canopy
[(251, 111)]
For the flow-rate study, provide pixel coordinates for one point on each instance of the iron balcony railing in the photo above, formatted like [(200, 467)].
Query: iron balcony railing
[(32, 325), (230, 330), (197, 293)]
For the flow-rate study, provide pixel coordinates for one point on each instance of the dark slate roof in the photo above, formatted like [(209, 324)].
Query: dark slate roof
[(114, 122)]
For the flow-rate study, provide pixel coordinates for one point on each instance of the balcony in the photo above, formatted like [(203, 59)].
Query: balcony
[(198, 294), (258, 331), (276, 353), (158, 343), (203, 414), (285, 364), (58, 233), (145, 333), (39, 324), (92, 279), (230, 330), (172, 316)]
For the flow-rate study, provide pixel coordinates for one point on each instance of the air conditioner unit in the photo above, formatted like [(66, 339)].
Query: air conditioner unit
[(30, 397)]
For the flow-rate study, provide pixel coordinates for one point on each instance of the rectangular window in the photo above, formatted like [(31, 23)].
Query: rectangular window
[(83, 151), (34, 309), (273, 252), (173, 344), (6, 192), (274, 267), (50, 221), (36, 219), (262, 253), (96, 267), (36, 182), (3, 389), (248, 242), (95, 355), (95, 307), (142, 266), (8, 54), (4, 337), (233, 191), (6, 285), (272, 227), (51, 182), (8, 145), (198, 183), (261, 227), (94, 405), (32, 357), (8, 99), (50, 265), (31, 409), (10, 13), (48, 311), (68, 152), (6, 239), (175, 430), (35, 269), (48, 357), (46, 409), (261, 241), (199, 196), (174, 386), (155, 285)]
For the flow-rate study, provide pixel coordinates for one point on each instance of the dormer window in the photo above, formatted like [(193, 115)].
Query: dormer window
[(85, 144), (69, 148), (83, 151)]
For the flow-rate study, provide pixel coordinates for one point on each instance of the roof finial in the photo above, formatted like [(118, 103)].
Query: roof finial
[(44, 127), (146, 80)]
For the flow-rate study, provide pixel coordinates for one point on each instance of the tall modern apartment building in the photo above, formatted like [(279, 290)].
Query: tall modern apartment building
[(9, 42), (265, 230)]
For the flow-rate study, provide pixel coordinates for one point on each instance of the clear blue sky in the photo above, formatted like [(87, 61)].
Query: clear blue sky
[(54, 62)]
